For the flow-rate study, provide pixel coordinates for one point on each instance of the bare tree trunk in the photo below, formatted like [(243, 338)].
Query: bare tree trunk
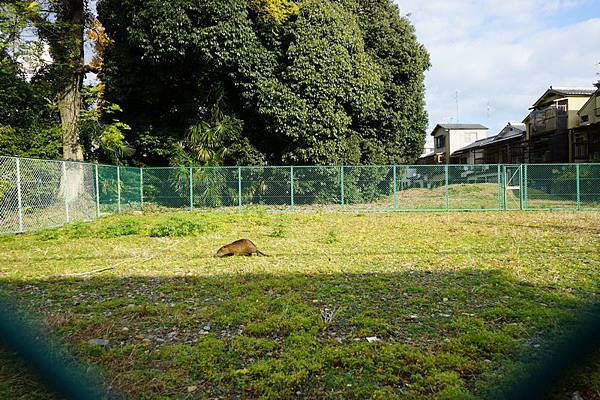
[(69, 103), (69, 46)]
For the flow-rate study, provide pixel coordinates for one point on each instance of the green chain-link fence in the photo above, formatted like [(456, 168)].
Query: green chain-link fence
[(36, 194)]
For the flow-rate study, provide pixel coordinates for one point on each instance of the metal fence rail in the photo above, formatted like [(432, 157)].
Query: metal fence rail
[(36, 194)]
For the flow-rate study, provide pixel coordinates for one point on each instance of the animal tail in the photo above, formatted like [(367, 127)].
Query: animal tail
[(260, 253)]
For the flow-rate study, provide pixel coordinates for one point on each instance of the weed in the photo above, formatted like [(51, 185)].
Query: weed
[(332, 237), (48, 234), (177, 226), (120, 227), (279, 231), (78, 230)]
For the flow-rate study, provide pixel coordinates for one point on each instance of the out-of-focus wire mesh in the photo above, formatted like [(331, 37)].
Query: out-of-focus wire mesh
[(589, 182), (9, 202), (167, 187), (421, 187), (474, 187), (130, 179), (216, 188), (551, 186)]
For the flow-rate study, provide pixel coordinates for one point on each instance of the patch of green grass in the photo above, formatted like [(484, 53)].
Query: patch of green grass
[(177, 226), (332, 237), (452, 303), (279, 231), (46, 234), (120, 227)]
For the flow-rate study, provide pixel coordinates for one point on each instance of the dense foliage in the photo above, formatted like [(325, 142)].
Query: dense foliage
[(28, 126), (46, 111), (277, 81)]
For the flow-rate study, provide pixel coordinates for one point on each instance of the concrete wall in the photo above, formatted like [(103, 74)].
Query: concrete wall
[(575, 104), (589, 109), (464, 137), (457, 139)]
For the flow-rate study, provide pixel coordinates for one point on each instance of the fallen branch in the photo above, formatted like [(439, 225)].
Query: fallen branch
[(97, 271)]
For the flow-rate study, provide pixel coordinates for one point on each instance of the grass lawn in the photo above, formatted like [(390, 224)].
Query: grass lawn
[(452, 303)]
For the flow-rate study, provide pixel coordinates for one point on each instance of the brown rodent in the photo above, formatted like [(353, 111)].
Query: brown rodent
[(242, 247)]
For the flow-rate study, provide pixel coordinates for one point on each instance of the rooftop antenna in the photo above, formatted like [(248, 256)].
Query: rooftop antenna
[(488, 109), (456, 97), (598, 73)]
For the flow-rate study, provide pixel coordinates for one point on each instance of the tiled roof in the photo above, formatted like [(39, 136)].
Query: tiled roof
[(509, 132), (462, 126), (550, 94), (574, 91), (477, 144), (458, 127)]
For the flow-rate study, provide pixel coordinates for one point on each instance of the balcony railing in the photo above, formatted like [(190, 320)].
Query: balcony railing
[(548, 119)]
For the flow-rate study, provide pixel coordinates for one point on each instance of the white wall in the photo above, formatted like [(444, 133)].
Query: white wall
[(464, 137)]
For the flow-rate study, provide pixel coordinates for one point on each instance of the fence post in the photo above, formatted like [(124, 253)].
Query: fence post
[(292, 185), (395, 190), (499, 189), (504, 188), (578, 187), (97, 193), (191, 190), (118, 189), (65, 185), (342, 184), (525, 190), (240, 188), (447, 200), (141, 187), (19, 196)]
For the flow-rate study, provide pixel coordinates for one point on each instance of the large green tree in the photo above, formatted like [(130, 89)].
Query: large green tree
[(60, 25), (310, 82), (42, 69), (28, 126)]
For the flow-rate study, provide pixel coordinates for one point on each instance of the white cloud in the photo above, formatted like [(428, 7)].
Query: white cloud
[(504, 53)]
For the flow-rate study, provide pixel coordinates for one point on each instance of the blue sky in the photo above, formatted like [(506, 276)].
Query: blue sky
[(501, 55)]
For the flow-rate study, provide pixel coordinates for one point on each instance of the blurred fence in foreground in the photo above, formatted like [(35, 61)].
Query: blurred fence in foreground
[(37, 194)]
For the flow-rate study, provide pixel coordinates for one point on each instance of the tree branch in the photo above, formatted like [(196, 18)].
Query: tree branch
[(89, 68)]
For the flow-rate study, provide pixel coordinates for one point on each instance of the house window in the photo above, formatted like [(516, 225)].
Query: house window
[(585, 118), (440, 141), (581, 147)]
